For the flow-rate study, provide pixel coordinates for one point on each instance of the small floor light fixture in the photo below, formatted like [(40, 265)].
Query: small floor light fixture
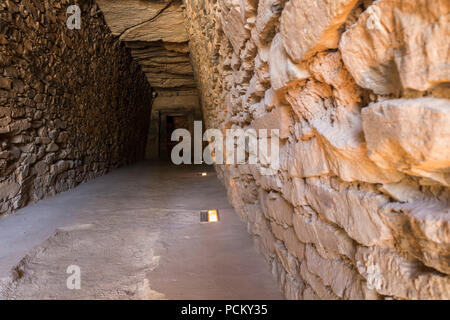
[(204, 174), (209, 216)]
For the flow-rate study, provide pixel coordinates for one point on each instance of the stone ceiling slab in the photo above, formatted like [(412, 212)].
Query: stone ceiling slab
[(168, 26), (155, 33), (121, 15)]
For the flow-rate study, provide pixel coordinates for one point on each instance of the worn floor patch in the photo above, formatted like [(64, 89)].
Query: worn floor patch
[(113, 255)]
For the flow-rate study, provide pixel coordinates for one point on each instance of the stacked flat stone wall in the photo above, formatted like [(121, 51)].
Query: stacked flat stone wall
[(360, 93), (73, 103)]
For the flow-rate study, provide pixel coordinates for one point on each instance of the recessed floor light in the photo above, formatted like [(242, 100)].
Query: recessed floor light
[(204, 174), (209, 216)]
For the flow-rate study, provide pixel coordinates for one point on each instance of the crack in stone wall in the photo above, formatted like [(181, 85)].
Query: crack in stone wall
[(360, 92), (73, 103)]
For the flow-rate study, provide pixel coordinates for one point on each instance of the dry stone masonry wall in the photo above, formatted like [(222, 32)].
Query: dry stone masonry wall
[(155, 32), (73, 103), (360, 93)]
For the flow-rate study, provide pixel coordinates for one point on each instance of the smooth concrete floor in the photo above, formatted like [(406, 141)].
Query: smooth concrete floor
[(136, 234)]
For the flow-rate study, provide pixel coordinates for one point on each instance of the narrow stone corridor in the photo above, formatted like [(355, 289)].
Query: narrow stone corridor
[(135, 234), (100, 98)]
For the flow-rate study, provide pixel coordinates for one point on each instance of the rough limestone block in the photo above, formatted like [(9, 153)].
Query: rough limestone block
[(293, 288), (8, 190), (234, 28), (266, 182), (410, 135), (311, 26), (317, 284), (294, 191), (311, 229), (288, 236), (279, 119), (279, 209), (355, 211), (283, 71), (5, 83), (269, 12), (328, 67), (278, 230), (391, 274), (401, 44), (261, 228), (339, 131), (248, 9), (307, 159), (347, 154), (422, 228), (309, 294), (289, 262), (342, 278), (404, 191)]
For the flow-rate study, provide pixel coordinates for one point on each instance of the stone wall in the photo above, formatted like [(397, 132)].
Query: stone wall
[(360, 92), (73, 103), (155, 32)]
